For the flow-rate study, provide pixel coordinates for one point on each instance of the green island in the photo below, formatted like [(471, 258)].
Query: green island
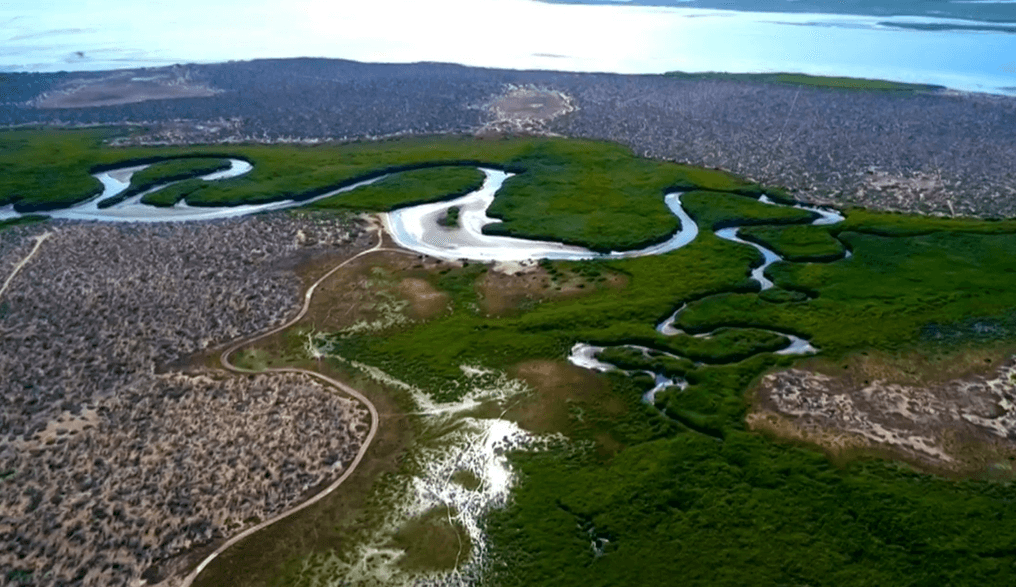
[(450, 217), (682, 490)]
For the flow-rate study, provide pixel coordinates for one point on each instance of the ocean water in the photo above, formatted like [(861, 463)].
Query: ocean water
[(913, 45), (977, 12)]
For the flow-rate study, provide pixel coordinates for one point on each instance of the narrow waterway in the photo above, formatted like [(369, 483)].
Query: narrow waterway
[(417, 228), (132, 209)]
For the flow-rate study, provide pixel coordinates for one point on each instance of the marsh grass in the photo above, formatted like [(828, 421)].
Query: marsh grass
[(593, 194), (165, 172), (799, 244), (680, 491)]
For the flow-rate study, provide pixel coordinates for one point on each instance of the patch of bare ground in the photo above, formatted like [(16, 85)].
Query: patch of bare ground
[(125, 87), (525, 110), (513, 287), (952, 415), (424, 301), (923, 190)]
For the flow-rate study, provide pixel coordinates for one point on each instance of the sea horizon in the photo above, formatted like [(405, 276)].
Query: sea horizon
[(637, 37)]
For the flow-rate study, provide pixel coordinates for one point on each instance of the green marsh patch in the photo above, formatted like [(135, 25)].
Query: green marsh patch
[(588, 193), (796, 243), (418, 186)]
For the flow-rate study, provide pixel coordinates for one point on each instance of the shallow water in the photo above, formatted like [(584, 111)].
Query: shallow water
[(115, 181), (109, 34), (417, 228)]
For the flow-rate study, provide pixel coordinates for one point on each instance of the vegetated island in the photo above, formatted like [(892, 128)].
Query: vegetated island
[(761, 469)]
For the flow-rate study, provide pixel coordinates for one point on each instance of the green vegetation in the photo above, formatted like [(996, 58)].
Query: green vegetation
[(818, 81), (796, 243), (884, 295), (165, 172), (680, 491), (27, 219), (47, 169), (718, 210), (450, 217), (587, 193), (892, 224), (408, 188)]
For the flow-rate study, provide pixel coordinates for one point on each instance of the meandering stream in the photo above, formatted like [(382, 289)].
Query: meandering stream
[(416, 228), (132, 209)]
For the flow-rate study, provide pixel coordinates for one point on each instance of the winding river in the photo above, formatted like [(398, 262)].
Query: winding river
[(132, 209), (417, 229)]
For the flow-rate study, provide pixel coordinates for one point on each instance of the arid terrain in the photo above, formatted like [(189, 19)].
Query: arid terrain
[(954, 421), (114, 460), (940, 152)]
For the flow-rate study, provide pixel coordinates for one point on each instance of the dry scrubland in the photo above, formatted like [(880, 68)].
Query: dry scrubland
[(929, 152), (110, 467)]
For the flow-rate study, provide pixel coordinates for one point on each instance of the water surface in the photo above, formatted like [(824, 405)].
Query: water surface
[(922, 47)]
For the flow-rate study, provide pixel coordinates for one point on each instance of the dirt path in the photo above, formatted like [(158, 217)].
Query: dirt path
[(374, 418), (38, 243)]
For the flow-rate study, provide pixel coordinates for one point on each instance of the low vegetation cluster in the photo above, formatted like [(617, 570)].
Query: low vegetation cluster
[(107, 466)]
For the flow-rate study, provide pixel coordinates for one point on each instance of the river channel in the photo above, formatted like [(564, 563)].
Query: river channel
[(475, 445), (417, 228)]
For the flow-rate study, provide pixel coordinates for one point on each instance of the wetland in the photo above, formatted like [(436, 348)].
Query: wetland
[(610, 370)]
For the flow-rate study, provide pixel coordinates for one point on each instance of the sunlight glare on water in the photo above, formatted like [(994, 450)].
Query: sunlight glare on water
[(518, 34)]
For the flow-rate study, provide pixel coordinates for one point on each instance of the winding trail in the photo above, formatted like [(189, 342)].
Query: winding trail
[(38, 243), (374, 418)]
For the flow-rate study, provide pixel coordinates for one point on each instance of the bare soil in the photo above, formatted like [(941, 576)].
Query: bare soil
[(124, 87), (950, 415), (425, 301), (525, 110)]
